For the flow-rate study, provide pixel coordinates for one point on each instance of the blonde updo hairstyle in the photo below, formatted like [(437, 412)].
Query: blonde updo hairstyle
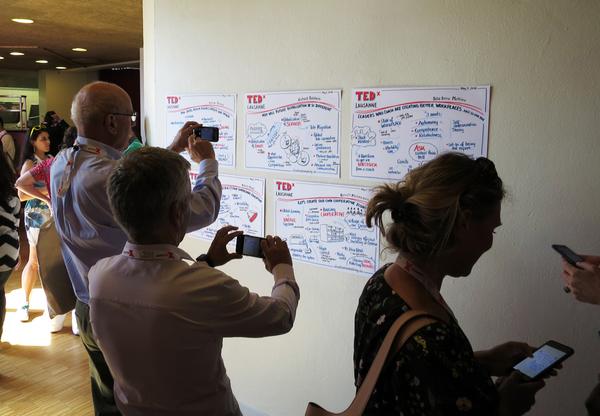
[(428, 203)]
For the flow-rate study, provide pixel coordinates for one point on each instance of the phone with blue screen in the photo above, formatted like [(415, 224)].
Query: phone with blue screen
[(544, 359)]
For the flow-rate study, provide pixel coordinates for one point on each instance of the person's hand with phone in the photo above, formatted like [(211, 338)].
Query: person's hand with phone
[(500, 360), (583, 279), (199, 149), (180, 141), (517, 395), (217, 253), (275, 252)]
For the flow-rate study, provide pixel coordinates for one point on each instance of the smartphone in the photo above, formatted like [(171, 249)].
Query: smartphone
[(249, 246), (207, 133), (544, 360), (569, 255)]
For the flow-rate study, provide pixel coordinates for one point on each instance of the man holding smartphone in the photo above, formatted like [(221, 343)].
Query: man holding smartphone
[(160, 317), (103, 114)]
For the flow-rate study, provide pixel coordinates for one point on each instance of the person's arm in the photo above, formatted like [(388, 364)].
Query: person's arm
[(27, 190), (226, 308), (443, 363), (584, 279), (27, 166), (8, 144), (206, 194)]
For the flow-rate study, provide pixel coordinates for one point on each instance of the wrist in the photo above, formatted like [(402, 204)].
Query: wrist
[(205, 258)]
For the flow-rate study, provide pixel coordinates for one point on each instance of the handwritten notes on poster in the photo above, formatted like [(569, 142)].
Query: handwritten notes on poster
[(294, 132), (324, 224), (210, 111), (397, 129), (242, 205)]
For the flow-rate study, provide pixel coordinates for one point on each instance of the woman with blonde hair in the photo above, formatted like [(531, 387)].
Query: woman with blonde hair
[(443, 216)]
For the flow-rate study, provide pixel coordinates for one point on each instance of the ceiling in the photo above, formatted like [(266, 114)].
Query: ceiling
[(110, 30)]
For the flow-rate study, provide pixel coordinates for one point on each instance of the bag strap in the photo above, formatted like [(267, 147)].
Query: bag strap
[(401, 331)]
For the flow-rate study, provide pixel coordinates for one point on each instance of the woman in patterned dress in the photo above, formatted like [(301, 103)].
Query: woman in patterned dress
[(37, 212), (443, 216)]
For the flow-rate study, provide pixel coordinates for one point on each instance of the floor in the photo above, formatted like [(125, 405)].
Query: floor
[(42, 373), (45, 374)]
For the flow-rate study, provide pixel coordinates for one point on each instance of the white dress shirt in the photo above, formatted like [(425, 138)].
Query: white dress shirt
[(160, 318)]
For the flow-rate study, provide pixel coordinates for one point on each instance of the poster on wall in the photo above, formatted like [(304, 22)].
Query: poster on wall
[(211, 110), (397, 129), (242, 205), (294, 132), (324, 224)]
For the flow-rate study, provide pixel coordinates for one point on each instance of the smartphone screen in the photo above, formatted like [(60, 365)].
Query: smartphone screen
[(249, 246), (543, 358), (207, 133)]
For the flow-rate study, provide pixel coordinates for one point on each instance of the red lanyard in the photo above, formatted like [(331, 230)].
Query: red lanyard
[(410, 268), (65, 181)]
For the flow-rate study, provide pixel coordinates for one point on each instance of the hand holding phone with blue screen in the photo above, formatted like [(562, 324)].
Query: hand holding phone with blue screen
[(544, 359)]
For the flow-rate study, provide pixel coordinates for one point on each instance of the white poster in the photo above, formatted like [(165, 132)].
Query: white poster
[(210, 110), (324, 224), (294, 132), (397, 129), (242, 205)]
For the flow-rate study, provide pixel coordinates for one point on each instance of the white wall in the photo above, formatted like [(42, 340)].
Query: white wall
[(57, 89), (541, 59)]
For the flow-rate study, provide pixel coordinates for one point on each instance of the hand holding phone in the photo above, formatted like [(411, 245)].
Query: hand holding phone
[(217, 253), (249, 245), (207, 133), (569, 255), (544, 360)]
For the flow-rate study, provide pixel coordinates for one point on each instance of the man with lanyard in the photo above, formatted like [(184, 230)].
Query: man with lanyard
[(103, 114)]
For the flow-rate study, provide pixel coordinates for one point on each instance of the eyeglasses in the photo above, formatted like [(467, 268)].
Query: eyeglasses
[(132, 115)]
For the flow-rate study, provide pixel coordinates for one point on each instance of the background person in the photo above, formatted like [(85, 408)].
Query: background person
[(103, 114), (8, 147), (159, 316), (443, 217), (56, 127), (583, 282), (36, 212), (9, 236), (28, 183)]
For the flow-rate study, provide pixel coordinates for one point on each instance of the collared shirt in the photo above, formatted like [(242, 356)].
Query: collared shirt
[(82, 214), (160, 318)]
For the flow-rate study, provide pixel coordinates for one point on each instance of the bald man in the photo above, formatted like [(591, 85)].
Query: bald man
[(103, 114)]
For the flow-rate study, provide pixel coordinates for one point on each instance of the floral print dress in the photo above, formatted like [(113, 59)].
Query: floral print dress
[(435, 372)]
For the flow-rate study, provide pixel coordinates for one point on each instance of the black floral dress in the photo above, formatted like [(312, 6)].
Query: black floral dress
[(435, 372)]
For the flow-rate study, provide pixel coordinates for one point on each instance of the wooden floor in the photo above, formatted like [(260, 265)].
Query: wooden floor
[(42, 373)]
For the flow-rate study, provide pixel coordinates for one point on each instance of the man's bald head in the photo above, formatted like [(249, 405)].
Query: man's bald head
[(93, 111)]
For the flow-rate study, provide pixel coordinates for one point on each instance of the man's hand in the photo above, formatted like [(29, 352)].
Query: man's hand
[(517, 396), (276, 251), (500, 360), (217, 253), (584, 280), (199, 149), (180, 141)]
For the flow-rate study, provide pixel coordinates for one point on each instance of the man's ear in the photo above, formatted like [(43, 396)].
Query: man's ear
[(110, 123)]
